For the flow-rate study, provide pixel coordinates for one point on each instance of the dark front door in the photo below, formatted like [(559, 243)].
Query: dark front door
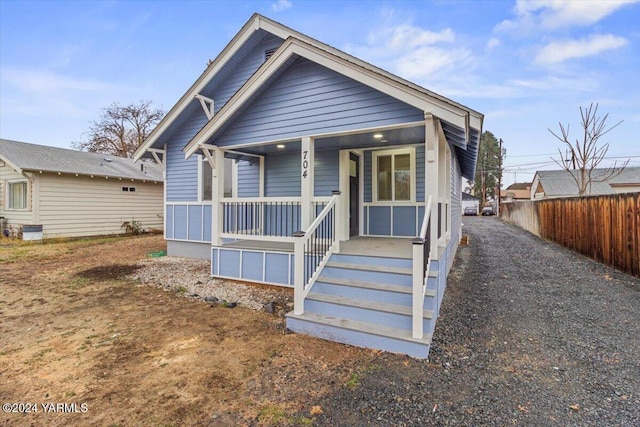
[(354, 195)]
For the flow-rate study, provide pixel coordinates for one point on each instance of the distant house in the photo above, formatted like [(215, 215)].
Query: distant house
[(470, 201), (559, 183), (516, 191), (73, 193), (292, 163)]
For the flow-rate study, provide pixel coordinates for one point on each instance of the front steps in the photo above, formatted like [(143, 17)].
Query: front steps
[(366, 301)]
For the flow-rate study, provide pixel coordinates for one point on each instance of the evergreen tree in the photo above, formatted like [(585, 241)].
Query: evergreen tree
[(488, 172)]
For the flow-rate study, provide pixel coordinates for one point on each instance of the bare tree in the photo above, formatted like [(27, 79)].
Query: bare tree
[(584, 156), (121, 129)]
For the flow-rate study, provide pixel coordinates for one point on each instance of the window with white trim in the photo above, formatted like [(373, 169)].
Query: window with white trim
[(206, 179), (17, 195), (394, 175)]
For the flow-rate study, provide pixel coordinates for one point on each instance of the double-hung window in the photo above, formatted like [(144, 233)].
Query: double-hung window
[(17, 195), (394, 178)]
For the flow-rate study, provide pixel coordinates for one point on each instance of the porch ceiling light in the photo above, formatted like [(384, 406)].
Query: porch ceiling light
[(377, 135), (280, 146)]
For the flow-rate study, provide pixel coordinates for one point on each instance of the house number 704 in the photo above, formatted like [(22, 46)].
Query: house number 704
[(305, 164)]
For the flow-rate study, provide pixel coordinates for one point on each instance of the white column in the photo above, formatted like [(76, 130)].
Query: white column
[(342, 207), (307, 159), (216, 159), (431, 173)]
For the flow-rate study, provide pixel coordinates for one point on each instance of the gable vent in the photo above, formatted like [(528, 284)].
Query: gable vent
[(269, 52)]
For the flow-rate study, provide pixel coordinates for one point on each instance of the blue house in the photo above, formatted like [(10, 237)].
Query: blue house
[(289, 162)]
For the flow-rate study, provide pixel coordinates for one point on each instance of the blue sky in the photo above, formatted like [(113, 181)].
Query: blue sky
[(526, 65)]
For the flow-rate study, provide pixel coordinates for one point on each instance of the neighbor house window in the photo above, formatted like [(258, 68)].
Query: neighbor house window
[(17, 195), (394, 175)]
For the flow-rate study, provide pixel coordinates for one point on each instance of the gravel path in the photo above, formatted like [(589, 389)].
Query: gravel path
[(530, 334)]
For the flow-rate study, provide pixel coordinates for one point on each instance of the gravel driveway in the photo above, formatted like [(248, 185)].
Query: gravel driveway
[(530, 334)]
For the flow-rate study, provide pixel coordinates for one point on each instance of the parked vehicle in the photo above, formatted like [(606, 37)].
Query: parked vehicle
[(488, 211), (470, 211)]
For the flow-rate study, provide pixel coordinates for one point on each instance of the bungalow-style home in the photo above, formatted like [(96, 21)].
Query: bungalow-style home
[(54, 192), (559, 183), (292, 163), (516, 191), (471, 202)]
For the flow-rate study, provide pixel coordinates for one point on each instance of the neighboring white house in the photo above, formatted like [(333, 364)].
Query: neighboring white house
[(469, 201), (559, 183), (73, 193)]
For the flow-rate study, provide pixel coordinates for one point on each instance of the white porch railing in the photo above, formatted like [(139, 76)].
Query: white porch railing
[(312, 249), (259, 218), (421, 257)]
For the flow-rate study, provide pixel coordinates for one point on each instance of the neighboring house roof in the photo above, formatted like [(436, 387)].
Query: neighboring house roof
[(560, 183), (517, 190), (461, 126), (469, 198), (23, 156)]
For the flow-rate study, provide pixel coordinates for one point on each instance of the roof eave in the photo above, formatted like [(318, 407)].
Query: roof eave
[(212, 69), (293, 46)]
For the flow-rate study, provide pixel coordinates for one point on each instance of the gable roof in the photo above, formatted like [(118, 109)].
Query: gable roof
[(301, 45), (558, 183), (469, 198), (23, 156)]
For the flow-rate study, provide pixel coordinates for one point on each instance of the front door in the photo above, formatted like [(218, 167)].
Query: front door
[(354, 195)]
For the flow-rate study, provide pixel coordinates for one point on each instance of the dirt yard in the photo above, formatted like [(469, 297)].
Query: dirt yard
[(77, 330)]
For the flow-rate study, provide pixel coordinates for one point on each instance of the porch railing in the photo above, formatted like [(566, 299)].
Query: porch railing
[(256, 218), (421, 257), (312, 249)]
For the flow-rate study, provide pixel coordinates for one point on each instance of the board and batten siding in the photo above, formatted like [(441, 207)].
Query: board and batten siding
[(14, 217), (309, 99), (72, 206)]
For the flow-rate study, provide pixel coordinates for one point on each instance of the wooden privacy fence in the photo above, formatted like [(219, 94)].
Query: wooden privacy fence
[(605, 228)]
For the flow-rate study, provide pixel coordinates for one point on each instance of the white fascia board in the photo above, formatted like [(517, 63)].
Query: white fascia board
[(12, 165), (293, 46), (214, 67), (285, 32), (279, 57)]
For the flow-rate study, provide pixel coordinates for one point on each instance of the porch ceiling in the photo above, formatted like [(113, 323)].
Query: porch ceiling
[(395, 136)]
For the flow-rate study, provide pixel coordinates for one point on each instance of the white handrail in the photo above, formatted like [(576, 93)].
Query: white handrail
[(420, 273), (301, 284)]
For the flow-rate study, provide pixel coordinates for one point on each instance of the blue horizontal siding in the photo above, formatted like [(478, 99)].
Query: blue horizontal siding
[(182, 175), (309, 99), (282, 175), (248, 179), (368, 174), (327, 172)]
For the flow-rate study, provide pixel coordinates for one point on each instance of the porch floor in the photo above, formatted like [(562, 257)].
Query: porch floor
[(391, 247)]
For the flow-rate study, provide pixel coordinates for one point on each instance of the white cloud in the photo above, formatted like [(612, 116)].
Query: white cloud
[(50, 93), (560, 51), (412, 52), (493, 43), (534, 15), (281, 5)]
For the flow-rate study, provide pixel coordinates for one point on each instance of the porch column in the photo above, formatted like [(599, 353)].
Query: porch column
[(431, 173), (215, 157), (443, 180), (307, 160)]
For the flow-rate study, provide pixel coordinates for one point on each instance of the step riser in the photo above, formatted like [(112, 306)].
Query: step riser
[(377, 261), (359, 339), (368, 276), (339, 311), (365, 294)]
